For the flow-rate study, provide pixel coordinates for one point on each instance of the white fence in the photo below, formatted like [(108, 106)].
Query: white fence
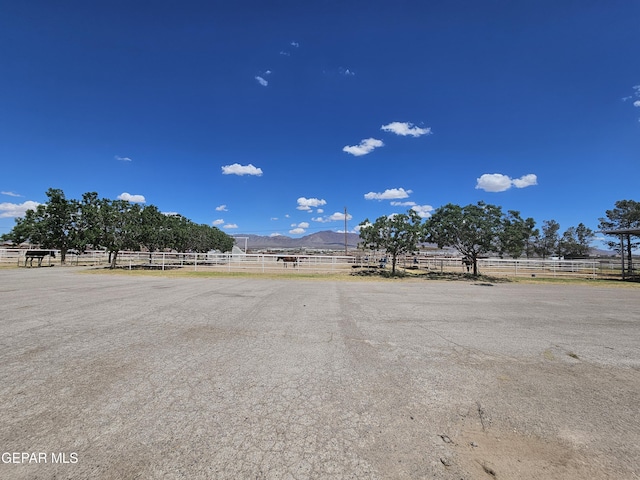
[(324, 263), (235, 262)]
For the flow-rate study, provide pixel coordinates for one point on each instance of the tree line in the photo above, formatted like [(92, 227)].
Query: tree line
[(481, 229), (114, 225)]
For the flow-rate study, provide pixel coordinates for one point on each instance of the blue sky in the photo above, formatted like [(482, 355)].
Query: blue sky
[(272, 117)]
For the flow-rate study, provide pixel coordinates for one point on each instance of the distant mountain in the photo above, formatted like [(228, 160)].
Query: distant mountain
[(325, 240)]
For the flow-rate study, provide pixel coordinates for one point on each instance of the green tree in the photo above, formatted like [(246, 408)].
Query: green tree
[(576, 242), (396, 234), (188, 236), (547, 241), (625, 215), (88, 222), (473, 230), (516, 235), (155, 230), (51, 225), (119, 226)]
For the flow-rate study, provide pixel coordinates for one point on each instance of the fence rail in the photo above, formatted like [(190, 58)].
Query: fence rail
[(603, 268)]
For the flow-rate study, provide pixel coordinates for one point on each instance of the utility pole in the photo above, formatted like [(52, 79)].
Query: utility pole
[(345, 232)]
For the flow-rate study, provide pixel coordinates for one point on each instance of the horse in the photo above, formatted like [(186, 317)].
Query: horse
[(39, 254), (286, 260), (467, 262)]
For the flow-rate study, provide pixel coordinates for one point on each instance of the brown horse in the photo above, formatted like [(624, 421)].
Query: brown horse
[(286, 260)]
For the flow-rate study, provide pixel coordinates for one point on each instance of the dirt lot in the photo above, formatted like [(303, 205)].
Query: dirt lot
[(122, 376)]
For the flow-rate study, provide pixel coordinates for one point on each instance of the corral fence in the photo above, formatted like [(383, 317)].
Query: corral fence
[(590, 268)]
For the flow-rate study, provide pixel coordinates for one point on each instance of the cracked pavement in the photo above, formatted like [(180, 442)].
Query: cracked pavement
[(255, 378)]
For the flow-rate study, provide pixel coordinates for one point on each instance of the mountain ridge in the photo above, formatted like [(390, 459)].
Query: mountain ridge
[(323, 240)]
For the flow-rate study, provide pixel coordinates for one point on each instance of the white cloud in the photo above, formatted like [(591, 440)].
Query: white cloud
[(405, 128), (122, 159), (525, 181), (306, 203), (275, 234), (170, 214), (423, 210), (366, 146), (636, 103), (497, 182), (230, 225), (261, 80), (237, 169), (297, 231), (493, 182), (320, 210), (294, 44), (11, 194), (346, 72), (219, 221), (388, 194), (337, 216), (131, 198), (221, 208), (11, 210), (286, 54)]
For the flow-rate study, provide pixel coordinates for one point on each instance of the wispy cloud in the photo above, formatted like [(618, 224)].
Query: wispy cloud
[(346, 72), (636, 95), (261, 80), (285, 53), (366, 146), (11, 194), (497, 182), (217, 222), (306, 204), (131, 198), (221, 208), (13, 210), (389, 194), (237, 169), (230, 226), (294, 44), (122, 159), (405, 128)]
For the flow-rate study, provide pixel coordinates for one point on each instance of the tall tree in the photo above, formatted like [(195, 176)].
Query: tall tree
[(88, 222), (625, 215), (547, 241), (396, 234), (576, 242), (516, 235), (50, 225), (154, 230), (472, 230), (119, 226)]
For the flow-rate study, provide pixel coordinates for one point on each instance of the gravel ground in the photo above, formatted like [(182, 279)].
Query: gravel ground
[(122, 376)]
